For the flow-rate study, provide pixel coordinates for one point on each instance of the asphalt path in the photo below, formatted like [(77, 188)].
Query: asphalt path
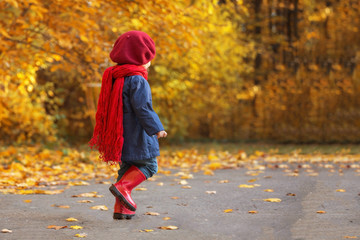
[(198, 212)]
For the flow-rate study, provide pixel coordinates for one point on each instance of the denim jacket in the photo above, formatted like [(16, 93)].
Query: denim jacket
[(141, 123)]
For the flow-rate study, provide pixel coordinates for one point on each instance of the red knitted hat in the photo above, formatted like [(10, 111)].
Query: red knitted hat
[(133, 47)]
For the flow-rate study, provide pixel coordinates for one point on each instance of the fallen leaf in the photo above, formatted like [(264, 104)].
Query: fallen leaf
[(186, 187), (223, 181), (178, 197), (353, 237), (152, 213), (56, 227), (6, 230), (27, 201), (100, 207), (71, 219), (208, 172), (320, 212), (76, 227), (252, 180), (60, 206), (85, 201), (246, 186), (340, 190), (104, 182), (290, 194), (211, 192), (272, 200), (268, 190), (183, 182), (79, 183), (252, 212), (160, 184), (169, 227), (166, 218), (81, 235), (228, 210), (146, 230), (141, 189), (89, 194)]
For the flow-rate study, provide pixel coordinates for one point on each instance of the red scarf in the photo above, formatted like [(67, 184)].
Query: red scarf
[(108, 132)]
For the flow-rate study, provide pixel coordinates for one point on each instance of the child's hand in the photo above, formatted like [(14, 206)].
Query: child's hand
[(161, 134)]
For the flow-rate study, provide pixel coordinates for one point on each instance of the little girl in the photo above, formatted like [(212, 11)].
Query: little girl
[(127, 128)]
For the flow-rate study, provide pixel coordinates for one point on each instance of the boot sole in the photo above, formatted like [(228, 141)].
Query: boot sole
[(122, 216), (122, 199)]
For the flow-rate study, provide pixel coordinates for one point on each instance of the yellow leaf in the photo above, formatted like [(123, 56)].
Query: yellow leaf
[(89, 194), (27, 201), (169, 227), (208, 172), (174, 197), (186, 187), (215, 165), (152, 213), (71, 219), (268, 190), (340, 190), (320, 212), (61, 206), (228, 210), (85, 201), (160, 184), (246, 186), (146, 230), (76, 227), (166, 218), (352, 237), (183, 182), (81, 235), (56, 227), (252, 212), (223, 181), (252, 180), (141, 189), (100, 207), (6, 230), (272, 200)]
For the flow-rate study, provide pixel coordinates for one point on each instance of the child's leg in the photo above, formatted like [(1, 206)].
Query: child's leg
[(124, 166), (147, 166)]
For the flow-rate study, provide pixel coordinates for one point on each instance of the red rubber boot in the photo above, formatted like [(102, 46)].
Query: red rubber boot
[(121, 212), (122, 189)]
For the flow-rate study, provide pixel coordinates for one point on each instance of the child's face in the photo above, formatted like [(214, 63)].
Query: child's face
[(147, 65)]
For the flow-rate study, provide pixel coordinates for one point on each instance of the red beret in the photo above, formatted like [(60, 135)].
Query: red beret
[(133, 47)]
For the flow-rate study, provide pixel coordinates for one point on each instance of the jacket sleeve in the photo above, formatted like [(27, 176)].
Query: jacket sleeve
[(141, 102)]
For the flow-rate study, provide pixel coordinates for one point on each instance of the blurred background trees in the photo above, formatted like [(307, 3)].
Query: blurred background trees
[(284, 70)]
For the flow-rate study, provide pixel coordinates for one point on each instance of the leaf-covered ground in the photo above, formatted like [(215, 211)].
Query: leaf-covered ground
[(38, 170)]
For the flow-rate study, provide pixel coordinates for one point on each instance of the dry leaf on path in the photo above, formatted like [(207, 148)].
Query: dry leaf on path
[(146, 230), (246, 186), (81, 235), (89, 194), (183, 182), (272, 200), (321, 212), (100, 207), (268, 190), (252, 212), (178, 197), (85, 201), (141, 189), (291, 194), (211, 192), (152, 213), (27, 201), (186, 187), (160, 184), (169, 227), (76, 227), (228, 210), (60, 206), (350, 237), (223, 181), (5, 230), (252, 180), (56, 227), (340, 190), (166, 218), (71, 219)]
